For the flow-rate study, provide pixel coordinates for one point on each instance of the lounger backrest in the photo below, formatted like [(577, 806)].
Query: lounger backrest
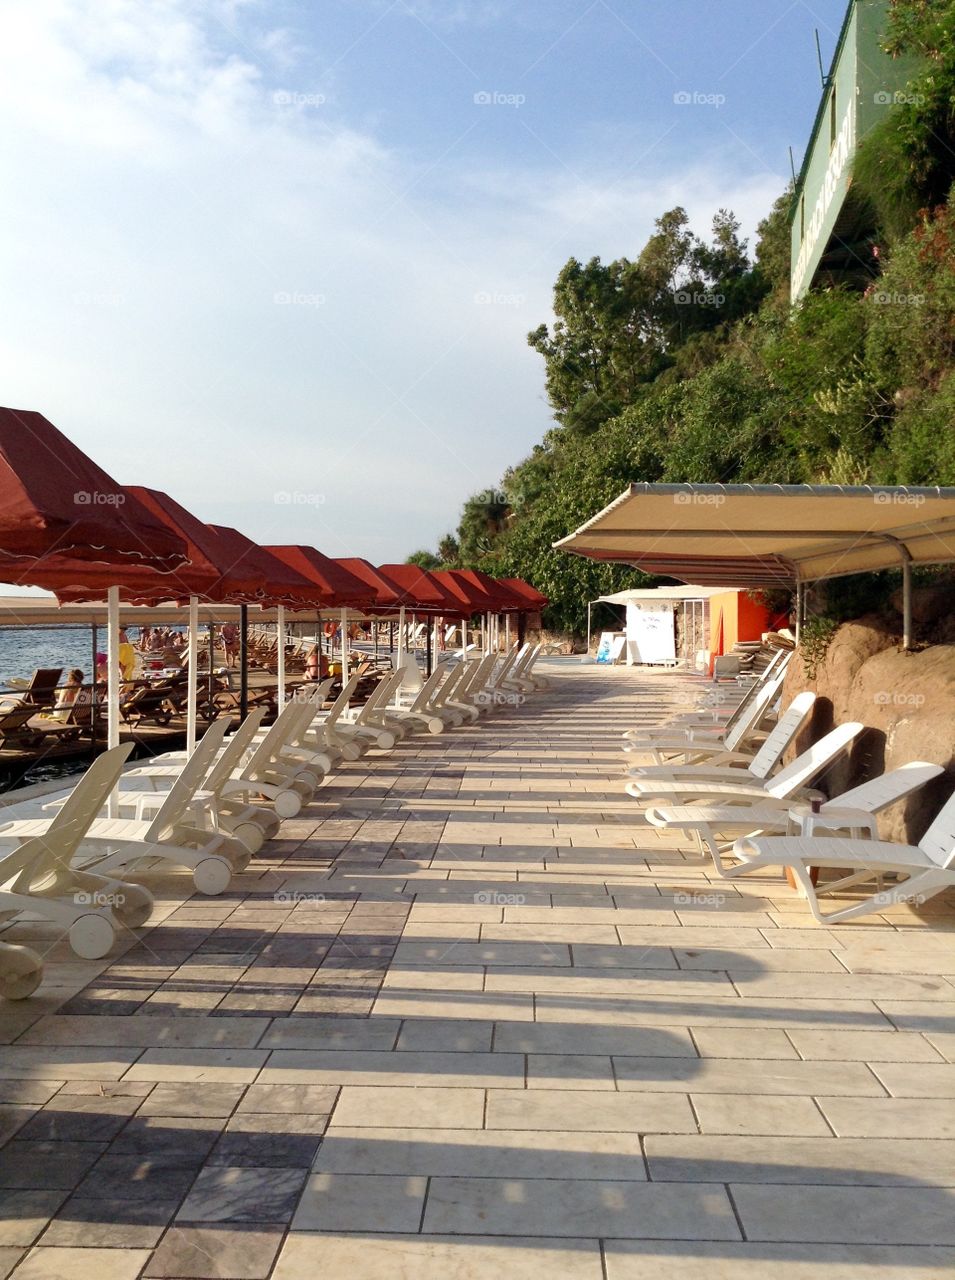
[(753, 707), (382, 694), (475, 677), (879, 793), (507, 666), (234, 750), (938, 843), (189, 781), (341, 702), (43, 684), (452, 686), (44, 854), (812, 762), (276, 738), (428, 689), (309, 700), (787, 726)]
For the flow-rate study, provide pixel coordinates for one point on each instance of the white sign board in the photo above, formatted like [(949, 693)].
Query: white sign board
[(610, 648), (651, 633)]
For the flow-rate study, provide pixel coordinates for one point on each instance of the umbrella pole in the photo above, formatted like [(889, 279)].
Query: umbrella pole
[(507, 633), (280, 631), (113, 671), (192, 675), (212, 656), (427, 651), (401, 634), (484, 648), (243, 662), (344, 617), (522, 629), (94, 649)]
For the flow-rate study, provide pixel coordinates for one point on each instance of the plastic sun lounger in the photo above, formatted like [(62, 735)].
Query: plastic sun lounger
[(252, 824), (322, 734), (287, 782), (732, 766), (40, 877), (846, 812), (789, 783), (172, 835), (746, 718), (369, 721), (469, 695), (928, 867), (420, 712)]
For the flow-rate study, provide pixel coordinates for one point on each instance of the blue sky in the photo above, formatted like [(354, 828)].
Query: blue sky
[(280, 259)]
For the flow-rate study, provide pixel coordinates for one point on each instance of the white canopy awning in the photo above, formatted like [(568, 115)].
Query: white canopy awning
[(769, 535), (660, 593)]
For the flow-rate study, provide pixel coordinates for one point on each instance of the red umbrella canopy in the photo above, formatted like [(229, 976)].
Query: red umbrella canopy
[(282, 585), (534, 600), (503, 600), (420, 591), (385, 593), (59, 512), (474, 599), (339, 587)]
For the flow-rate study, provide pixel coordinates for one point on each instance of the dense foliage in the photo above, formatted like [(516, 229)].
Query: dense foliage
[(689, 363)]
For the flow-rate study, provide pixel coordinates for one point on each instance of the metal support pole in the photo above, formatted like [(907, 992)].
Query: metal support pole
[(280, 633), (798, 611), (243, 662), (507, 633), (906, 598), (212, 656), (521, 628), (427, 650), (113, 671), (192, 675), (401, 634), (589, 610), (94, 701), (344, 627)]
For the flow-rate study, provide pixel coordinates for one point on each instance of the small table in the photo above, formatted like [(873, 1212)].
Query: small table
[(858, 823)]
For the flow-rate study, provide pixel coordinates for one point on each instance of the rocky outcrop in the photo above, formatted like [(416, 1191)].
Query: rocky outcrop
[(906, 701)]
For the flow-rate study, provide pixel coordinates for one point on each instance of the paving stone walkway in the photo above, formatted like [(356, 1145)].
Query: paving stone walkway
[(470, 1018)]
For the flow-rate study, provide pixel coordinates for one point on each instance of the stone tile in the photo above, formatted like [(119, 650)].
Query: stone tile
[(791, 1160), (666, 1260), (847, 1215), (744, 1042), (917, 1079), (536, 1037), (714, 1011), (80, 1118), (745, 1075), (580, 1109), (447, 1035), (569, 1071), (430, 1257), (229, 1194), (456, 1005), (82, 1264), (24, 1214), (342, 1033), (109, 1224), (554, 1207), (863, 1046), (8, 1260), (267, 1140), (139, 1033), (234, 1252), (888, 1117), (225, 1066), (187, 1137), (758, 1114), (298, 1099), (47, 1165), (500, 1153), (478, 1070), (425, 1108), (214, 1100), (161, 1176), (365, 1202), (65, 1062)]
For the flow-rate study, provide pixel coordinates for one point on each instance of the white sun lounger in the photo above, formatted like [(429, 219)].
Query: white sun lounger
[(38, 875), (928, 867), (734, 766), (847, 812), (789, 783)]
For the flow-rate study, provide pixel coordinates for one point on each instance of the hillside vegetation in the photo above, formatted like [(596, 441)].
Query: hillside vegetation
[(688, 363)]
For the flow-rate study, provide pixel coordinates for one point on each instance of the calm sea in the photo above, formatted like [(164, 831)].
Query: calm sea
[(23, 649)]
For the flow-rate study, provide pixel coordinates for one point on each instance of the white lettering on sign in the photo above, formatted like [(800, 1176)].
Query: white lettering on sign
[(839, 157)]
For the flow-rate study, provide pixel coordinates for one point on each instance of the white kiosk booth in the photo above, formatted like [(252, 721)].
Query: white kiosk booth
[(665, 626)]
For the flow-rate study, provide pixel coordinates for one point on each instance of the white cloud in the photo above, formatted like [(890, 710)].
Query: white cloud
[(160, 206)]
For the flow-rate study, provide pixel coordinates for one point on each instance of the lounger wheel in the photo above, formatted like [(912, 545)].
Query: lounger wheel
[(350, 751), (435, 725), (212, 875), (385, 740), (287, 804), (21, 971), (91, 936), (135, 908), (251, 836)]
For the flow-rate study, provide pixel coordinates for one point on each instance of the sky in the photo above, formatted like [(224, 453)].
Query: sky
[(280, 259)]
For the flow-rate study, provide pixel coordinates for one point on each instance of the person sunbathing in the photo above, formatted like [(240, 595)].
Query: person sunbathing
[(68, 694)]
